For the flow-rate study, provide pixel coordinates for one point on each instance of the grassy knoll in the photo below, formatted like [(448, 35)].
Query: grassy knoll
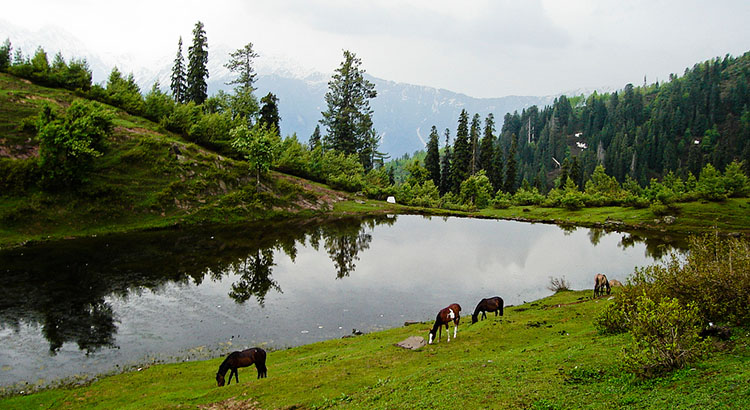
[(147, 178), (540, 355)]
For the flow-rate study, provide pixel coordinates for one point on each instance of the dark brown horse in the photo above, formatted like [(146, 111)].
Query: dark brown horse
[(493, 304), (445, 316), (242, 359), (600, 284)]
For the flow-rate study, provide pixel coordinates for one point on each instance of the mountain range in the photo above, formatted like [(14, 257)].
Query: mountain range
[(403, 113)]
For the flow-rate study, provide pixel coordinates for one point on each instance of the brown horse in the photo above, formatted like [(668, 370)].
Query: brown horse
[(242, 359), (445, 316), (615, 283), (600, 283), (493, 304)]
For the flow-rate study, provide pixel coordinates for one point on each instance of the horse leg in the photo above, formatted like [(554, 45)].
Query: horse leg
[(484, 314), (447, 332), (455, 328)]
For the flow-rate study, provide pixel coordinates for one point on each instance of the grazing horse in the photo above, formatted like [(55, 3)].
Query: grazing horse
[(615, 283), (443, 318), (493, 304), (600, 282), (242, 359)]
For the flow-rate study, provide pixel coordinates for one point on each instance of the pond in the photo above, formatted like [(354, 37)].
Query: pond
[(75, 308)]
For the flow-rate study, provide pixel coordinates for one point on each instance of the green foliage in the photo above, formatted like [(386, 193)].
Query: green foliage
[(417, 173), (502, 200), (342, 171), (69, 144), (157, 105), (476, 191), (572, 199), (182, 118), (241, 63), (269, 112), (348, 116), (213, 131), (530, 196), (665, 336), (124, 92), (17, 175), (258, 146), (178, 83), (5, 51), (711, 184), (425, 194), (735, 180), (197, 69)]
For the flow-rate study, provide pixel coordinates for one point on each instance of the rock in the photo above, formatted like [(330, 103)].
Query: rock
[(412, 343), (669, 220), (391, 200)]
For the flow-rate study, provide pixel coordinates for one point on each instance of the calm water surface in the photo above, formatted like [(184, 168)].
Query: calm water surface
[(87, 306)]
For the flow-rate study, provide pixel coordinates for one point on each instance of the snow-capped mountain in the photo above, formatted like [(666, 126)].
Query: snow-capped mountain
[(403, 113)]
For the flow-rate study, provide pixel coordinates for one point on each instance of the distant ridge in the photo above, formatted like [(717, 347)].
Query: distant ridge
[(403, 113)]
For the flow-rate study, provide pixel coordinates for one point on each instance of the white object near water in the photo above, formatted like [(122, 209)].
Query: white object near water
[(391, 199)]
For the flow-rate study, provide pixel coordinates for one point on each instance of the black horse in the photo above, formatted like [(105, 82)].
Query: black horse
[(242, 359), (493, 304)]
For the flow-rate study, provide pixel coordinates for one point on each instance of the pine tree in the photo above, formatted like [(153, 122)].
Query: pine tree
[(5, 55), (474, 143), (269, 112), (197, 70), (445, 166), (487, 145), (315, 137), (461, 165), (432, 160), (348, 117), (510, 166), (241, 62), (178, 86)]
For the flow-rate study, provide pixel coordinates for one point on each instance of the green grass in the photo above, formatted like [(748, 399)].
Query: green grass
[(541, 355)]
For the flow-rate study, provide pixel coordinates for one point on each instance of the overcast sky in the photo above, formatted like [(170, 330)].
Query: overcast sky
[(480, 48)]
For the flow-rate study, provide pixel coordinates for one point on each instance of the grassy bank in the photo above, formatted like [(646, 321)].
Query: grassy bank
[(540, 355)]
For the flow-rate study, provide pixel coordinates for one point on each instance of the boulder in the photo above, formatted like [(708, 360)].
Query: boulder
[(412, 343)]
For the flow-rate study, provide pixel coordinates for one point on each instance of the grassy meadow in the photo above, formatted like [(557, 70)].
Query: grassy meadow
[(540, 355)]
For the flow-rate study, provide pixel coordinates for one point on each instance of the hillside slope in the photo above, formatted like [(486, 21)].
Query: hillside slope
[(147, 177)]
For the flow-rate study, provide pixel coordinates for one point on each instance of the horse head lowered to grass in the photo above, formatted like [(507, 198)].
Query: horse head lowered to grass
[(600, 284), (445, 316), (244, 358), (493, 304)]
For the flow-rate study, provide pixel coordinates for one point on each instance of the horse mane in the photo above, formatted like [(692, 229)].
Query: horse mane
[(224, 366)]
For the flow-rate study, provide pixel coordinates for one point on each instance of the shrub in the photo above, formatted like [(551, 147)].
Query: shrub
[(17, 174), (527, 197), (711, 184), (612, 320), (558, 284), (665, 337)]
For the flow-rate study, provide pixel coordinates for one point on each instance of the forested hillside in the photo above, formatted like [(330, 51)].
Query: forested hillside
[(643, 132)]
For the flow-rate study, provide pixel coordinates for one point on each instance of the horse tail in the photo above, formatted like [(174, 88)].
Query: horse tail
[(260, 362)]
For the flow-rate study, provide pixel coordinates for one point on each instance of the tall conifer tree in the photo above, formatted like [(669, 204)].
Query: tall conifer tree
[(461, 165), (348, 117), (432, 159), (474, 142), (178, 86), (510, 166), (197, 71), (445, 166)]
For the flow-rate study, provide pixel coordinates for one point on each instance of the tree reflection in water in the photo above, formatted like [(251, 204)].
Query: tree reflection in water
[(62, 287), (255, 277)]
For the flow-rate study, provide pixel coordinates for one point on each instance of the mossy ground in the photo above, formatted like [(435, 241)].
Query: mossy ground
[(541, 355)]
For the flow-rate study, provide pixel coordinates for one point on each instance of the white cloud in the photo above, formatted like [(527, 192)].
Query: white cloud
[(481, 48)]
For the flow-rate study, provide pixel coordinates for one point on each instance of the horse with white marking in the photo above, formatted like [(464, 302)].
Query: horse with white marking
[(444, 317)]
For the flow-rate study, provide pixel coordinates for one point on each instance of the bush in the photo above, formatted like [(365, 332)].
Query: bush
[(665, 337), (558, 284), (525, 197), (612, 320), (17, 175)]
